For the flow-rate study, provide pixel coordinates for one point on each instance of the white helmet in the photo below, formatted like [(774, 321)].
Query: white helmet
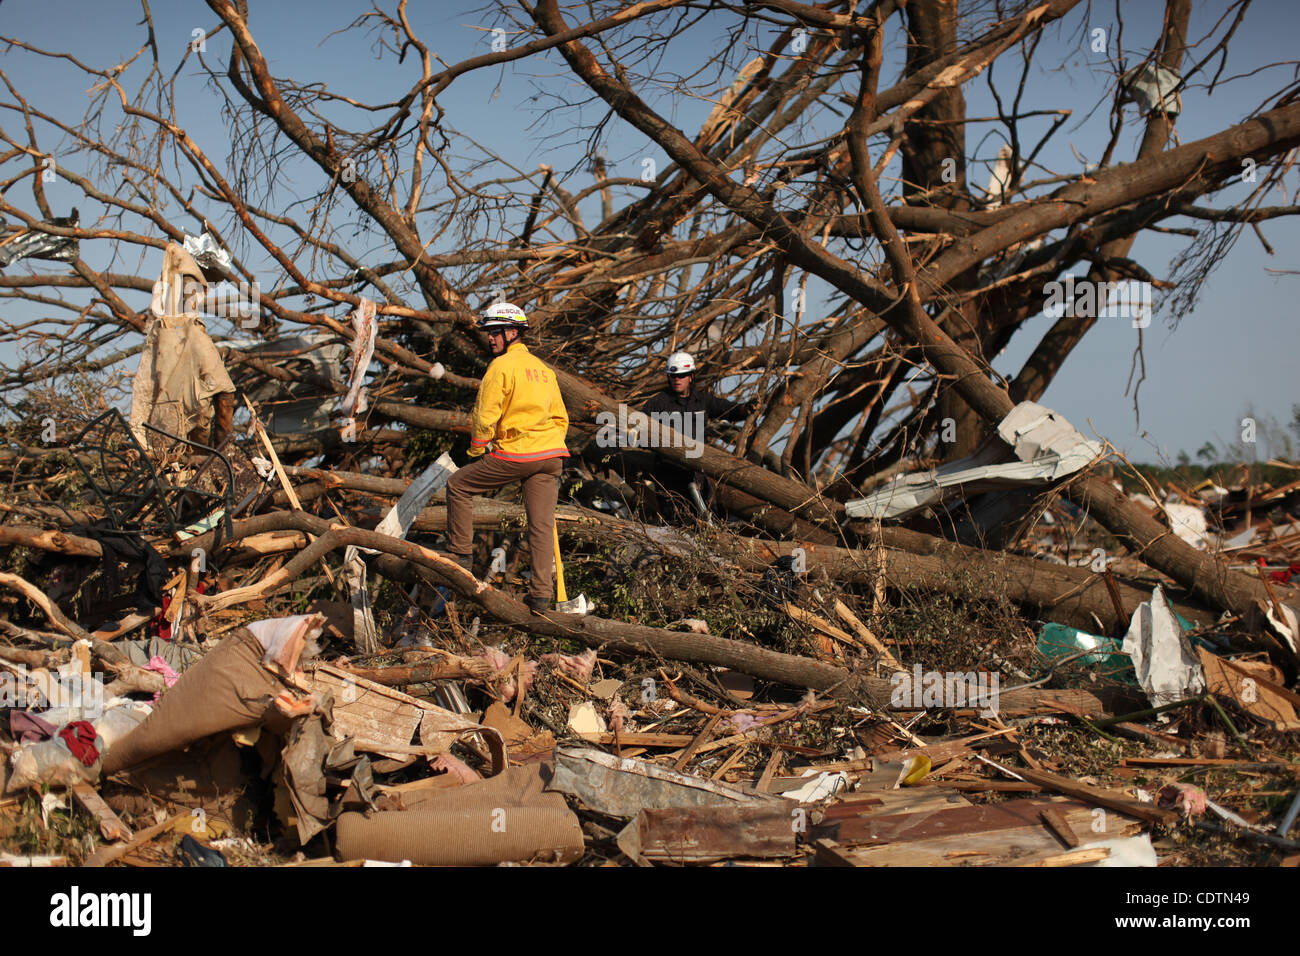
[(502, 315), (680, 363)]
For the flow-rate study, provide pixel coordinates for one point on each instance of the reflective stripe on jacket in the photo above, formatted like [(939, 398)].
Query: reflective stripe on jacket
[(519, 409)]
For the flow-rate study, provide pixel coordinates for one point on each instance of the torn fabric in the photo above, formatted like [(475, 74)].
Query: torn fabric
[(180, 370), (363, 347)]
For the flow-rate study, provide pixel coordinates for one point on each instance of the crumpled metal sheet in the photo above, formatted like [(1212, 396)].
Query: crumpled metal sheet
[(207, 252), (398, 521), (710, 834), (43, 245), (1047, 447), (395, 524), (321, 352), (622, 786), (364, 632)]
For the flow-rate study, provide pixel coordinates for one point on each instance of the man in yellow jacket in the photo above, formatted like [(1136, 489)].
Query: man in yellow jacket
[(520, 421)]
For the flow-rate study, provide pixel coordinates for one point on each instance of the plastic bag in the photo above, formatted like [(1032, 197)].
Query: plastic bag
[(48, 762)]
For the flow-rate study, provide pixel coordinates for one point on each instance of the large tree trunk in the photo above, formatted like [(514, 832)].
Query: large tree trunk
[(1206, 161), (934, 175)]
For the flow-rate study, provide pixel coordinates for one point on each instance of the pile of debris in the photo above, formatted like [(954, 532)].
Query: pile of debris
[(204, 696), (221, 658), (253, 742)]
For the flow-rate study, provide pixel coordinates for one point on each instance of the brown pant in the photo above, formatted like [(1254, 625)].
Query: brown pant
[(541, 482)]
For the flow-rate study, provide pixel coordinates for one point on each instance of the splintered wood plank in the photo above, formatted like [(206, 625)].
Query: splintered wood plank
[(962, 822), (865, 633), (1251, 690), (701, 738), (902, 800), (287, 485), (1099, 797), (879, 828), (830, 853), (1074, 858), (108, 854), (1019, 846), (1057, 823), (989, 786), (1199, 762), (324, 861), (640, 739), (766, 778), (13, 860), (1262, 679), (730, 762), (382, 719), (109, 824), (999, 848), (940, 752), (1152, 736), (826, 627)]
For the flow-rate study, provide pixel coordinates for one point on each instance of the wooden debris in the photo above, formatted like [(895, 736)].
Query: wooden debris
[(864, 632), (1055, 819), (1007, 833), (110, 826), (1256, 689), (110, 854), (1099, 797)]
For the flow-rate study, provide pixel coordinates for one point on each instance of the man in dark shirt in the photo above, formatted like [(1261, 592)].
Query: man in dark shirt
[(684, 491)]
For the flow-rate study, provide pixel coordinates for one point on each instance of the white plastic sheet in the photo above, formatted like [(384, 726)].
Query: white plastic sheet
[(1166, 663), (1126, 851), (820, 786), (1153, 87)]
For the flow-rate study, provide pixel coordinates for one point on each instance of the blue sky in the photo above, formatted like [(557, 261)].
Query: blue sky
[(1236, 350)]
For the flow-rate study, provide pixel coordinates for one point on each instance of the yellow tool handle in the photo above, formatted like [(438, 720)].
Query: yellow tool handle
[(560, 595)]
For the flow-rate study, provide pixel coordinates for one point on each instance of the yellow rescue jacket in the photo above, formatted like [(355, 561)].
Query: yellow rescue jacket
[(519, 408)]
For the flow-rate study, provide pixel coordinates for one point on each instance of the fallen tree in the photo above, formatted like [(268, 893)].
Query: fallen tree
[(697, 257)]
